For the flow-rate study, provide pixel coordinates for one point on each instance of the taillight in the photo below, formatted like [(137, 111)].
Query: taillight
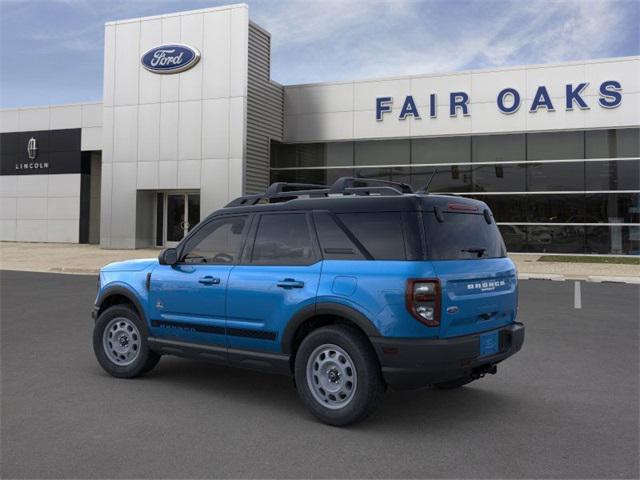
[(423, 301)]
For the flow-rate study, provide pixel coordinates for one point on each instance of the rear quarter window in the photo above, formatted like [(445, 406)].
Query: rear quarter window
[(462, 236), (380, 233)]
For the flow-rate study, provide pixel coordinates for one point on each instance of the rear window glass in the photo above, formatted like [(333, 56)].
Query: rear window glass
[(462, 236), (380, 233)]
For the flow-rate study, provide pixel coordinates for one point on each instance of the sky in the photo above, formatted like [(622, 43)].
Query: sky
[(51, 51)]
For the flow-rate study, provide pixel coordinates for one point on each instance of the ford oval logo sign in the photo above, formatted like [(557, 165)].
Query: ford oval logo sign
[(173, 58)]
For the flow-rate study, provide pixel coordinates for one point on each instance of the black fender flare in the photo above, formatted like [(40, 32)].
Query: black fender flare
[(325, 308), (123, 291)]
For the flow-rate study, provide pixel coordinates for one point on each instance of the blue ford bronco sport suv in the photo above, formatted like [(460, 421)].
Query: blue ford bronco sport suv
[(348, 289)]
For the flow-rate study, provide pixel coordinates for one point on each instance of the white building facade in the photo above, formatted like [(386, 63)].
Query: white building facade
[(553, 149)]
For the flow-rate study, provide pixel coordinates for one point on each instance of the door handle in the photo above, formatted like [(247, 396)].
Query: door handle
[(209, 280), (290, 283)]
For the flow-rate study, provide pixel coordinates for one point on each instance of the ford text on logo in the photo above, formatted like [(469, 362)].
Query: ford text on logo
[(172, 58), (508, 100), (486, 286)]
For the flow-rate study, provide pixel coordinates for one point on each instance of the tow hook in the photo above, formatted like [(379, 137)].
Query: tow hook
[(484, 370)]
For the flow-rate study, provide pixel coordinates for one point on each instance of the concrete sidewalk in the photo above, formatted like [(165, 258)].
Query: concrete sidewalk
[(73, 258)]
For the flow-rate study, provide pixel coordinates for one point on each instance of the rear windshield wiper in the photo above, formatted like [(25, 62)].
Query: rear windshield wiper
[(480, 251)]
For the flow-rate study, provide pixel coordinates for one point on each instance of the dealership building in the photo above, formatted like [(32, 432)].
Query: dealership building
[(190, 119)]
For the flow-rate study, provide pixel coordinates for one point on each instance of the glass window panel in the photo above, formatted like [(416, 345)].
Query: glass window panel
[(218, 242), (334, 242), (338, 154), (613, 175), (283, 155), (506, 208), (515, 237), (319, 176), (283, 240), (613, 143), (462, 236), (556, 208), (548, 177), (310, 155), (612, 208), (382, 152), (394, 174), (555, 239), (380, 233), (448, 179), (555, 145), (499, 148), (193, 200), (441, 150), (613, 240), (499, 178)]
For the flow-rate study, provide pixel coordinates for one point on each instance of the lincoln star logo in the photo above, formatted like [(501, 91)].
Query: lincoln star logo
[(32, 148), (172, 58), (487, 285)]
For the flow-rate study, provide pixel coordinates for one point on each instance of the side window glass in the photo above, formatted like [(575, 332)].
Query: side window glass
[(334, 242), (380, 233), (283, 239), (217, 243)]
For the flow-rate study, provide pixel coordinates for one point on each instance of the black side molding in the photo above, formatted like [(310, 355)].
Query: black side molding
[(262, 361)]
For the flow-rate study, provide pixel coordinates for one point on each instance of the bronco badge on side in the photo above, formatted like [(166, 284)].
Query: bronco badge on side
[(172, 58)]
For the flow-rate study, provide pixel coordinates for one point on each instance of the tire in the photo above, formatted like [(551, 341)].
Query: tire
[(451, 384), (123, 351), (343, 356)]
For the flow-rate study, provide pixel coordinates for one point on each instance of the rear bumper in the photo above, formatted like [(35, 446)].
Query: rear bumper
[(412, 363)]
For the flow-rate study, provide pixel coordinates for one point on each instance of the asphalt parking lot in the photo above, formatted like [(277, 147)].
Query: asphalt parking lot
[(566, 406)]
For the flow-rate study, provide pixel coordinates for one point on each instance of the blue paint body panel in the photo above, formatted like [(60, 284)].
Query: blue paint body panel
[(476, 296)]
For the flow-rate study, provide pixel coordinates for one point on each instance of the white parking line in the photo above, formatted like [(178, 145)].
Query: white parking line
[(577, 295)]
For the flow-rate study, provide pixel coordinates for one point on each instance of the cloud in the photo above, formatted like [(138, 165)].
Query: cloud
[(342, 40)]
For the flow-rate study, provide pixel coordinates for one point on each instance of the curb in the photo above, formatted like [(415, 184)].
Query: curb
[(588, 278)]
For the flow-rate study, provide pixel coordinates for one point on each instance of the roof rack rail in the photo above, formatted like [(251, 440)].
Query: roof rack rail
[(283, 191), (280, 187), (345, 183)]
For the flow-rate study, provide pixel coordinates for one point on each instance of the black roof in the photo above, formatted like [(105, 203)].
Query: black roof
[(349, 194)]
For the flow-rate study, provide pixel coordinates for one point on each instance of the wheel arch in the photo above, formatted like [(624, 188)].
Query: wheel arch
[(118, 295), (314, 316)]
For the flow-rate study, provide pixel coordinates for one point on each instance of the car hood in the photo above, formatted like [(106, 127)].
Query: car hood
[(130, 265)]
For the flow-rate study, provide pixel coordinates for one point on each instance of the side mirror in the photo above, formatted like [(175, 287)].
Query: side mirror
[(168, 256)]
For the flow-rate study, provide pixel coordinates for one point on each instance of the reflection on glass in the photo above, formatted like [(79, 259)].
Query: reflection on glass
[(555, 145), (614, 175), (194, 210), (175, 217), (613, 208), (506, 208), (449, 178), (499, 148), (382, 152), (515, 237), (547, 177), (499, 178), (614, 240), (556, 239), (441, 150), (556, 208), (612, 143)]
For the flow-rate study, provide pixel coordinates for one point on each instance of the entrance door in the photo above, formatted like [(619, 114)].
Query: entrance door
[(182, 214)]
